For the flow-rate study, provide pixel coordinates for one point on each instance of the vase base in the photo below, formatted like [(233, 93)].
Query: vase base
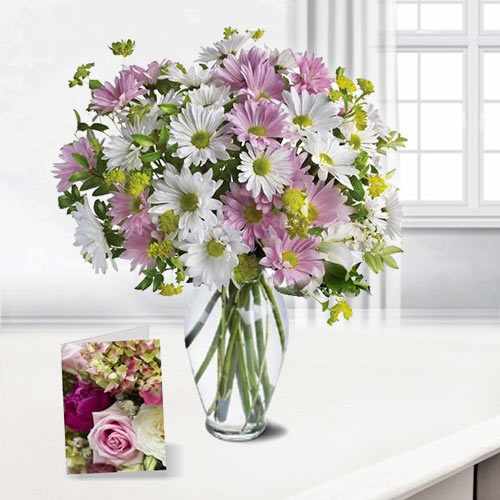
[(235, 433)]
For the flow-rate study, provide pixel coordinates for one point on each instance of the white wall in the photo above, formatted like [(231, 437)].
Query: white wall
[(41, 43), (451, 269)]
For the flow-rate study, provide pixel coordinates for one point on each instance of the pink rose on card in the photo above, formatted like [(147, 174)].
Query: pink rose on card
[(72, 361), (113, 438)]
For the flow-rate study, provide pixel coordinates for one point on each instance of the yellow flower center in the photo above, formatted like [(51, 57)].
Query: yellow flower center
[(189, 202), (168, 221), (252, 215), (261, 166), (290, 257), (303, 121), (312, 213), (293, 200), (326, 159), (258, 130), (377, 185), (355, 141), (136, 205), (215, 248), (200, 139)]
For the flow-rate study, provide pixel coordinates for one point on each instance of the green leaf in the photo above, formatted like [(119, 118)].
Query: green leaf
[(123, 48), (116, 252), (157, 282), (145, 283), (164, 134), (143, 140), (391, 250), (78, 117), (100, 209), (390, 261), (79, 176), (394, 140), (150, 157), (81, 73), (64, 202), (92, 182), (101, 190), (94, 84), (100, 127), (81, 160), (114, 238), (358, 192), (169, 109), (96, 145)]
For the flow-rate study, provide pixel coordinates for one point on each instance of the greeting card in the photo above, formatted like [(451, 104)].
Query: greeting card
[(113, 404)]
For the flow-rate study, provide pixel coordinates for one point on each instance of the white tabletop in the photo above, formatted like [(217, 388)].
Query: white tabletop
[(372, 409)]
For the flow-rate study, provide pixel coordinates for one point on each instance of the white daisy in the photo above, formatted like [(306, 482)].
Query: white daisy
[(171, 97), (284, 60), (90, 236), (375, 119), (196, 131), (337, 243), (190, 196), (210, 96), (193, 77), (266, 171), (376, 214), (366, 138), (211, 262), (120, 150), (394, 212), (223, 48), (331, 157), (311, 112)]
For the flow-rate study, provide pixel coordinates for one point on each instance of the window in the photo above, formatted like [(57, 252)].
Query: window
[(449, 104)]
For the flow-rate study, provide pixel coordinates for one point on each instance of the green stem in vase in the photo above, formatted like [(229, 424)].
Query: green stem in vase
[(261, 345), (225, 382), (276, 311), (202, 320), (220, 333), (242, 375), (221, 338), (250, 351)]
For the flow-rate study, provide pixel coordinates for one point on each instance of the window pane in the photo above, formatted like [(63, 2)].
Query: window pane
[(441, 126), (491, 75), (491, 17), (407, 75), (407, 17), (441, 177), (491, 177), (408, 123), (441, 75), (491, 129), (441, 16), (408, 176)]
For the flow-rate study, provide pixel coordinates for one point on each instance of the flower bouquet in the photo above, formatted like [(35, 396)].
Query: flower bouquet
[(113, 413), (253, 170)]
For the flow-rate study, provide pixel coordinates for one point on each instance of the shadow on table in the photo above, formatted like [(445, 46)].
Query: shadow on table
[(174, 469), (273, 431)]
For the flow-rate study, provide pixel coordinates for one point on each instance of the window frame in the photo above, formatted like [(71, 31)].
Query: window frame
[(472, 41)]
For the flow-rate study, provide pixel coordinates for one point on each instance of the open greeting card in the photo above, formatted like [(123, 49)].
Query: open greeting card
[(113, 404)]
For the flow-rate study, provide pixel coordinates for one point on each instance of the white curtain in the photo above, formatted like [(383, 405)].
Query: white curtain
[(359, 35)]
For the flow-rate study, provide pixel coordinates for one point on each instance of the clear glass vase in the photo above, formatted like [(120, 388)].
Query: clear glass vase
[(236, 340)]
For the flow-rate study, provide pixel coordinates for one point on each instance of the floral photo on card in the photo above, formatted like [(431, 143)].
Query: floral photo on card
[(113, 406)]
